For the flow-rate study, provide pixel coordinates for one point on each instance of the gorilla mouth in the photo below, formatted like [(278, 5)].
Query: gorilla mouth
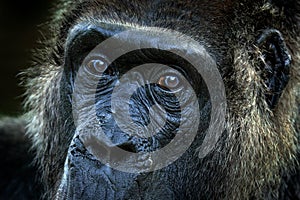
[(101, 149), (103, 180)]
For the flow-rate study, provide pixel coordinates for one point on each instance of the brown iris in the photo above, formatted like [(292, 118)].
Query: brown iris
[(96, 66), (171, 81)]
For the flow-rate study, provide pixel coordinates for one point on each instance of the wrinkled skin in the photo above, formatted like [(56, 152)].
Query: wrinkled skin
[(111, 183), (255, 47)]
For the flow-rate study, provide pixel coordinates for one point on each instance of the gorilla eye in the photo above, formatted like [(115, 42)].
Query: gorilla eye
[(96, 66), (171, 81)]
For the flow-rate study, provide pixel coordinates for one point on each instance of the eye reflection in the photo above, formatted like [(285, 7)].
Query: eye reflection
[(171, 81), (96, 66)]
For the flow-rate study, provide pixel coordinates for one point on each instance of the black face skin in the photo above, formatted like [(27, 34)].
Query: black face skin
[(253, 44), (109, 183)]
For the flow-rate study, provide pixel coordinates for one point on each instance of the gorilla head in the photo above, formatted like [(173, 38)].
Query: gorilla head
[(167, 99)]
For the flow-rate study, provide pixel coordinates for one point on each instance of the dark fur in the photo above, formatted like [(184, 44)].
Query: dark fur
[(259, 159), (18, 174)]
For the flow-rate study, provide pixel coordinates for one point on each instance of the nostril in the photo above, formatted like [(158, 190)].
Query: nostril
[(128, 146)]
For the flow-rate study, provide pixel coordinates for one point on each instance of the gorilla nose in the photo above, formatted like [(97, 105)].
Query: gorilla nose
[(136, 145), (128, 146)]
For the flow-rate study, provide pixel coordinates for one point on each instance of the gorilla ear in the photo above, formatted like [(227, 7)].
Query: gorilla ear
[(276, 62)]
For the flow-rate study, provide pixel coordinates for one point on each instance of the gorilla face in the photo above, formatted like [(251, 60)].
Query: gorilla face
[(125, 109), (132, 106)]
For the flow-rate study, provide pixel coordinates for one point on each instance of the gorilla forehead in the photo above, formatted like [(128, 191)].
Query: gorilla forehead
[(154, 11), (200, 19)]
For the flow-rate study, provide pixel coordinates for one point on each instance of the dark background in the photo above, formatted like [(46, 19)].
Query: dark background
[(19, 31)]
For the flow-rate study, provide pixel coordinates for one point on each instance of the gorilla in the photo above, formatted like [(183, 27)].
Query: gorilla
[(160, 100)]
